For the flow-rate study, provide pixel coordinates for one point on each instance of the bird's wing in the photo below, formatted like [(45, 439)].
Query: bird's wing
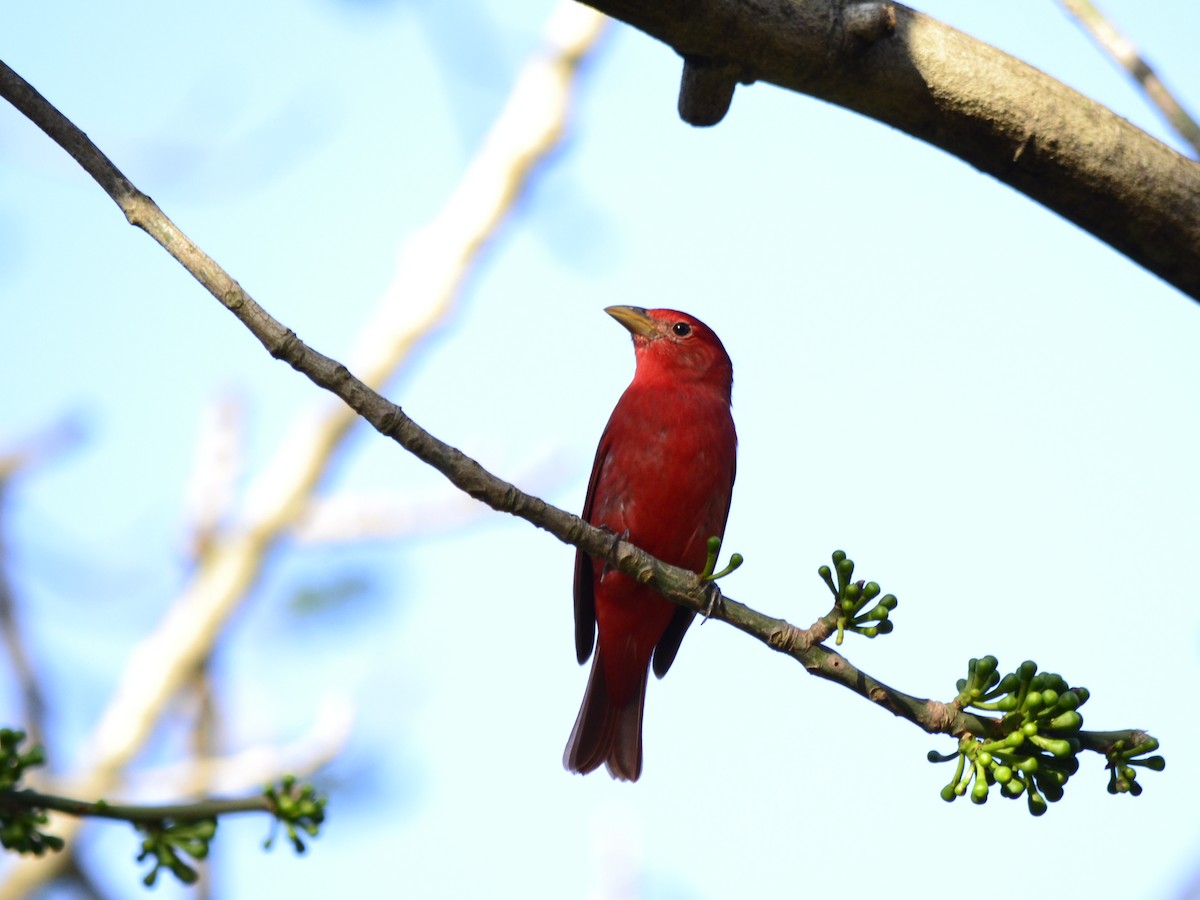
[(668, 644), (585, 600)]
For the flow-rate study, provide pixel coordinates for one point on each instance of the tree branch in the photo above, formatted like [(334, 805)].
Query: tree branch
[(679, 585), (1002, 116), (1125, 55)]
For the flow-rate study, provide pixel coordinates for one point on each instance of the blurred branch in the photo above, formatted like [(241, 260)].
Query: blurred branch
[(33, 700), (45, 445), (426, 283), (220, 461), (996, 113), (348, 516), (247, 769), (1126, 56)]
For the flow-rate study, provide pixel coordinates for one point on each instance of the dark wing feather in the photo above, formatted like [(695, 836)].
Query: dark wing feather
[(668, 644), (585, 601)]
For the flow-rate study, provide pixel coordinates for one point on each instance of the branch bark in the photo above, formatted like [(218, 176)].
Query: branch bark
[(1004, 117)]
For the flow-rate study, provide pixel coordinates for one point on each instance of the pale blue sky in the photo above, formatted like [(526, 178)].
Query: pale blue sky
[(993, 413)]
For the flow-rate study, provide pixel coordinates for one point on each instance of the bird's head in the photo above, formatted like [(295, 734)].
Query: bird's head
[(674, 346)]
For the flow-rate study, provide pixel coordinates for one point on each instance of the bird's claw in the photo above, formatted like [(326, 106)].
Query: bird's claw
[(714, 600), (610, 558)]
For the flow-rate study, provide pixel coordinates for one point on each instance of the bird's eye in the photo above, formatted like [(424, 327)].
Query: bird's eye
[(683, 329)]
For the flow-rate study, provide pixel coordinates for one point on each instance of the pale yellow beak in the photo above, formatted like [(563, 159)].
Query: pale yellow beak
[(636, 319)]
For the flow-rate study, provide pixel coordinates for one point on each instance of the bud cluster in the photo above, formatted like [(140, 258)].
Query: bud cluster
[(851, 597), (1038, 747)]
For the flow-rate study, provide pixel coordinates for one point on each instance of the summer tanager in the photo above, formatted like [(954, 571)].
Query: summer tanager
[(662, 478)]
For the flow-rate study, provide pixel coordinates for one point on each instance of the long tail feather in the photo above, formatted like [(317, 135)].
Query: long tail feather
[(605, 734)]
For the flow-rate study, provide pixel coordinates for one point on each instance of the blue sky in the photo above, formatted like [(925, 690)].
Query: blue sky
[(992, 412)]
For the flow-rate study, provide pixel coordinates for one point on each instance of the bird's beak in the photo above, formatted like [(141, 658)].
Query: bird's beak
[(636, 319)]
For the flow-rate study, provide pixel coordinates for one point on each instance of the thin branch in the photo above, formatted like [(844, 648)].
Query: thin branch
[(679, 585), (1125, 55), (993, 111), (428, 278), (194, 811)]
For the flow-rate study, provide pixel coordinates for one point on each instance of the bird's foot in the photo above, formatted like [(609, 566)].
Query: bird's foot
[(610, 558), (714, 600)]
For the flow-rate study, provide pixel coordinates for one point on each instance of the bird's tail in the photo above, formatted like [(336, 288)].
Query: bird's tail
[(606, 734)]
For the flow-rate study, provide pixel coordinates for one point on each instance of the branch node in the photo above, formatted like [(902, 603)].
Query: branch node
[(870, 22), (787, 638), (285, 346), (941, 715), (706, 90)]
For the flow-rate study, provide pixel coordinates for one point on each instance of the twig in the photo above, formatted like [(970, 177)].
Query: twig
[(1126, 56), (194, 811)]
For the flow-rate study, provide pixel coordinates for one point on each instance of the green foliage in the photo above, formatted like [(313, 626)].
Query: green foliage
[(850, 597), (168, 842), (20, 824), (1122, 777), (1036, 743), (298, 807), (174, 837)]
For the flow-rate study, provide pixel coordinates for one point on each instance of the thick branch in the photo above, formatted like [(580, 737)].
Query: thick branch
[(995, 112)]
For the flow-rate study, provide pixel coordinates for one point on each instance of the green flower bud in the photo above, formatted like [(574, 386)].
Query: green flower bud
[(1068, 700), (1068, 721), (1013, 788), (1053, 746)]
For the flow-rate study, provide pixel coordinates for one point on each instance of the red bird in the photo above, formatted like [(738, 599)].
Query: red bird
[(663, 478)]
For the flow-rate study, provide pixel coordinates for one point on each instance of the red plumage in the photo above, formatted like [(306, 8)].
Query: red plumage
[(663, 476)]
